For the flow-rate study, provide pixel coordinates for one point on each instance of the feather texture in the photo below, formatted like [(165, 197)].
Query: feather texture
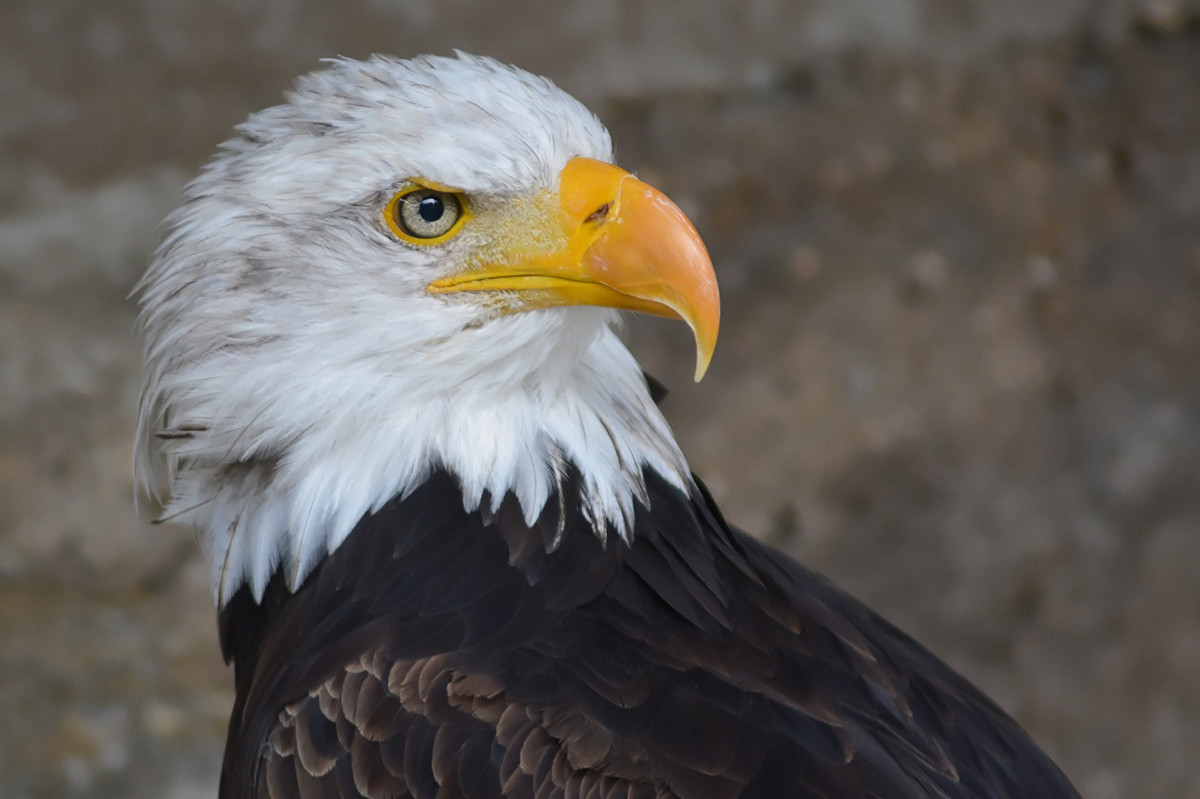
[(446, 652)]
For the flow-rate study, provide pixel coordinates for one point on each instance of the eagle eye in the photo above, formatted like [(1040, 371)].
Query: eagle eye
[(425, 215)]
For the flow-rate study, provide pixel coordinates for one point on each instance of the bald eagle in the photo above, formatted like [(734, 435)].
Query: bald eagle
[(455, 548)]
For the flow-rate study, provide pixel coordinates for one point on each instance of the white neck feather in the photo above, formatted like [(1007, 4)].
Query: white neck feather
[(269, 494)]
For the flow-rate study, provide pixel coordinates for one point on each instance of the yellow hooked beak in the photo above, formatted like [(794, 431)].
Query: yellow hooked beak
[(625, 246)]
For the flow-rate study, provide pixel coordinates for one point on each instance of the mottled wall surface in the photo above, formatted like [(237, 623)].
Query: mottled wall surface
[(959, 246)]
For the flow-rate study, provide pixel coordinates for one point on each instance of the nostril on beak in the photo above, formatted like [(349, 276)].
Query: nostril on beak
[(598, 215)]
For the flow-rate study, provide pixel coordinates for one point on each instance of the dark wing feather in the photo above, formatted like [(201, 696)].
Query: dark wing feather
[(453, 654)]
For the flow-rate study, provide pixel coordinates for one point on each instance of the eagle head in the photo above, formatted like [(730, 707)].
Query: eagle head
[(407, 266)]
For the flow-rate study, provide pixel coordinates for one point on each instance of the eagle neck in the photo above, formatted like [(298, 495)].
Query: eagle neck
[(600, 428)]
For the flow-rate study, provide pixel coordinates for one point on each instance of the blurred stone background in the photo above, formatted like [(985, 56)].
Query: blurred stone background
[(959, 246)]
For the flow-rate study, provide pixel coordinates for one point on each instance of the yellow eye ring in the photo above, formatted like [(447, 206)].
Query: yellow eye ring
[(426, 215)]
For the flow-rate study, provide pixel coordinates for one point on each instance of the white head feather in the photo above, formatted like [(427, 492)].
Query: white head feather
[(298, 375)]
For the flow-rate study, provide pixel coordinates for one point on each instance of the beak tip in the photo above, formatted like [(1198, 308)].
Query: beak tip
[(704, 354)]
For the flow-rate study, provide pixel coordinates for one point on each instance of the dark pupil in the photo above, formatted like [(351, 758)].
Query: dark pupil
[(431, 209)]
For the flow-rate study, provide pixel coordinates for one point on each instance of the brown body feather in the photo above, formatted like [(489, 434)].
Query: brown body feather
[(439, 653)]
